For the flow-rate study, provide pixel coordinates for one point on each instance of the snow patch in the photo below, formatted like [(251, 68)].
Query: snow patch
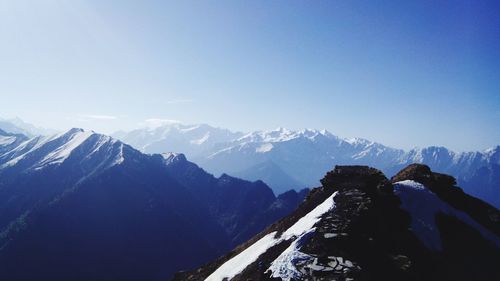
[(284, 265), (172, 157), (119, 158), (308, 221), (7, 140), (237, 264), (423, 205), (412, 184), (264, 148), (202, 139)]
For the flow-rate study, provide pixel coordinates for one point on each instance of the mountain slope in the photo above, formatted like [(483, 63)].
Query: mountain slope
[(361, 226), (84, 206), (70, 198), (243, 208), (271, 174), (9, 140), (484, 183)]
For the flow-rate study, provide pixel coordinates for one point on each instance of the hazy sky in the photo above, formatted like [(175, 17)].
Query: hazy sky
[(400, 73)]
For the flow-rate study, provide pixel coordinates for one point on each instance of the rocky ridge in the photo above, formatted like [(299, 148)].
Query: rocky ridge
[(369, 233)]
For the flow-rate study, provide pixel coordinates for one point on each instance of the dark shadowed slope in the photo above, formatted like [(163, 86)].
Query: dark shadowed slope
[(243, 208), (84, 206)]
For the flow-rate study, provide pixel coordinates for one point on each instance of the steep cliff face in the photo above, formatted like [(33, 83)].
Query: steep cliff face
[(362, 226)]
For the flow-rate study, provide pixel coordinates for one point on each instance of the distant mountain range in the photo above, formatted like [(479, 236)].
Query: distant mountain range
[(18, 126), (359, 225), (84, 206), (287, 159)]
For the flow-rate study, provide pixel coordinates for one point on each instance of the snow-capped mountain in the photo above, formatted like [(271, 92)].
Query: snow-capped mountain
[(461, 164), (192, 140), (303, 155), (42, 152), (18, 126), (477, 172), (84, 206), (287, 159), (361, 226)]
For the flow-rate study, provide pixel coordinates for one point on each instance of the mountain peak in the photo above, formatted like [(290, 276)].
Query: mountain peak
[(81, 145), (76, 130)]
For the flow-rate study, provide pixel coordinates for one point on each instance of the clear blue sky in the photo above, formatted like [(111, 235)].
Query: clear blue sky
[(404, 74)]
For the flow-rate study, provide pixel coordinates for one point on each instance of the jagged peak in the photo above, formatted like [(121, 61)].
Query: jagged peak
[(173, 157)]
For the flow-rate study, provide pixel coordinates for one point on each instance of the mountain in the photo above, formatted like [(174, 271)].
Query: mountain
[(477, 172), (287, 159), (270, 173), (18, 126), (488, 178), (359, 225), (243, 208), (85, 206), (192, 140), (303, 155)]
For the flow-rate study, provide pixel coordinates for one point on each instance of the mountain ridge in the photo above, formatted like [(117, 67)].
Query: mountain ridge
[(371, 228)]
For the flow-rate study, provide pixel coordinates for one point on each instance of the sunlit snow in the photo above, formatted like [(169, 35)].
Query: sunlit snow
[(284, 265), (6, 140), (264, 148), (423, 205), (237, 264), (63, 152)]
